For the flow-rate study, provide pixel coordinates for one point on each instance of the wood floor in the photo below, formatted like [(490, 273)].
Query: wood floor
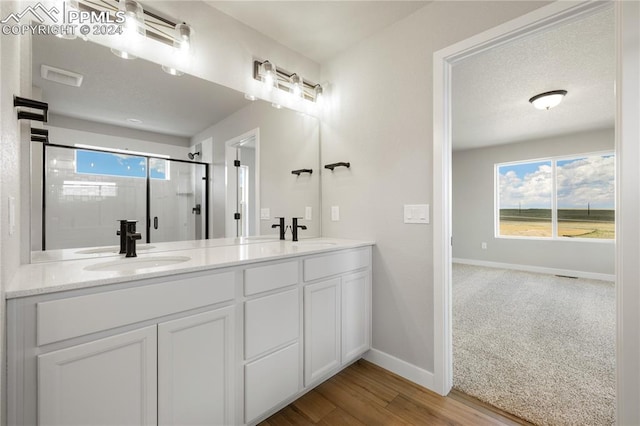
[(365, 394)]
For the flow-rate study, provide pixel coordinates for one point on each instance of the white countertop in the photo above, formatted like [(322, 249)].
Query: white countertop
[(55, 276)]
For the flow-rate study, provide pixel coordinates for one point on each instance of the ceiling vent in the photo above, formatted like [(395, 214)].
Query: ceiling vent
[(61, 76)]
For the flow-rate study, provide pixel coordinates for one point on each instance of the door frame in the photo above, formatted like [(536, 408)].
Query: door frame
[(627, 134), (231, 184)]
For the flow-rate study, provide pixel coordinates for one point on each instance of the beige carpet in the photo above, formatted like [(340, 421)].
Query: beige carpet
[(538, 346)]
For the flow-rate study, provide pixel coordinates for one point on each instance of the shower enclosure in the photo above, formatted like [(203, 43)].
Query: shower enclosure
[(86, 191)]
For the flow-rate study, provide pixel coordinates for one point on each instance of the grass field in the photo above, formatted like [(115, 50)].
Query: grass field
[(573, 223)]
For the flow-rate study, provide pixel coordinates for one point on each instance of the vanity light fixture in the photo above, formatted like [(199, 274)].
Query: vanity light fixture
[(548, 100), (276, 77), (141, 23)]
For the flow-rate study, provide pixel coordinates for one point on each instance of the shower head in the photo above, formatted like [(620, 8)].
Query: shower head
[(193, 155)]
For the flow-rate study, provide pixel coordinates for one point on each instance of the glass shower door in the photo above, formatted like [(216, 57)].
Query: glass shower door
[(86, 193), (176, 200)]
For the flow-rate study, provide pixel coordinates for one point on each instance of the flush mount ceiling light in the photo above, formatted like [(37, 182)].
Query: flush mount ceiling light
[(276, 77), (548, 100)]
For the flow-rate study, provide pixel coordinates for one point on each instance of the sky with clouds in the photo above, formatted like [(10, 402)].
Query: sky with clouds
[(580, 182)]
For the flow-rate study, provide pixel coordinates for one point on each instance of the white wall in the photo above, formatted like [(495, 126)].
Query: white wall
[(14, 169), (288, 141), (473, 208), (379, 117)]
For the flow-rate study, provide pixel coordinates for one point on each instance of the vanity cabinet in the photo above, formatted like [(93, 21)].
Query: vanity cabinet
[(337, 317), (227, 346), (178, 371)]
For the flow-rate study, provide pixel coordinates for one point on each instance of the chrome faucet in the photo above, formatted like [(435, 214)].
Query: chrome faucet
[(295, 226), (131, 237), (280, 224)]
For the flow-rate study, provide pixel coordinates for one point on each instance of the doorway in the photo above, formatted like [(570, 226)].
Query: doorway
[(444, 60), (242, 164)]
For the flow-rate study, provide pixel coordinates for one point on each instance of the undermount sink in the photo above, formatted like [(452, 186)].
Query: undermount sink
[(132, 264), (112, 249)]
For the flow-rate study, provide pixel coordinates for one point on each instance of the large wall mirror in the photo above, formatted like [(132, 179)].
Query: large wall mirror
[(187, 158)]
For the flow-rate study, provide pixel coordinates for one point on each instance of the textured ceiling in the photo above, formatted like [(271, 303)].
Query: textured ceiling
[(318, 29), (491, 90), (115, 89)]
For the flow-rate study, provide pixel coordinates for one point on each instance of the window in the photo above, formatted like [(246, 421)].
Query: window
[(120, 165), (569, 197)]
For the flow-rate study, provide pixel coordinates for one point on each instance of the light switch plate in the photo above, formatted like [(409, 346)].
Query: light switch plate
[(308, 213), (416, 213), (335, 213), (265, 213)]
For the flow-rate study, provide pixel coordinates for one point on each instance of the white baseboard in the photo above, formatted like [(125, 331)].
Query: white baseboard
[(537, 269), (402, 368)]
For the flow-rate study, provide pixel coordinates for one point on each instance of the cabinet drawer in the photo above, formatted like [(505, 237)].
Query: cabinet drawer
[(338, 263), (77, 316), (270, 322), (271, 277), (271, 380)]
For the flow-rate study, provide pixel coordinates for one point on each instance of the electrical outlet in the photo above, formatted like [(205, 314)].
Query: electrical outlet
[(265, 213), (484, 246), (335, 213), (308, 213)]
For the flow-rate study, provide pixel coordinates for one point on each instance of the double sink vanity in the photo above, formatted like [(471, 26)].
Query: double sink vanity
[(215, 332)]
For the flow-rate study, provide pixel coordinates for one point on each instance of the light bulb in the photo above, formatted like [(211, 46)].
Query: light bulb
[(296, 86), (318, 91), (269, 75)]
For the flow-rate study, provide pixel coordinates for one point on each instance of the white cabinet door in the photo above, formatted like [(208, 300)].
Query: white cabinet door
[(271, 380), (356, 316), (321, 329), (110, 381), (195, 369)]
